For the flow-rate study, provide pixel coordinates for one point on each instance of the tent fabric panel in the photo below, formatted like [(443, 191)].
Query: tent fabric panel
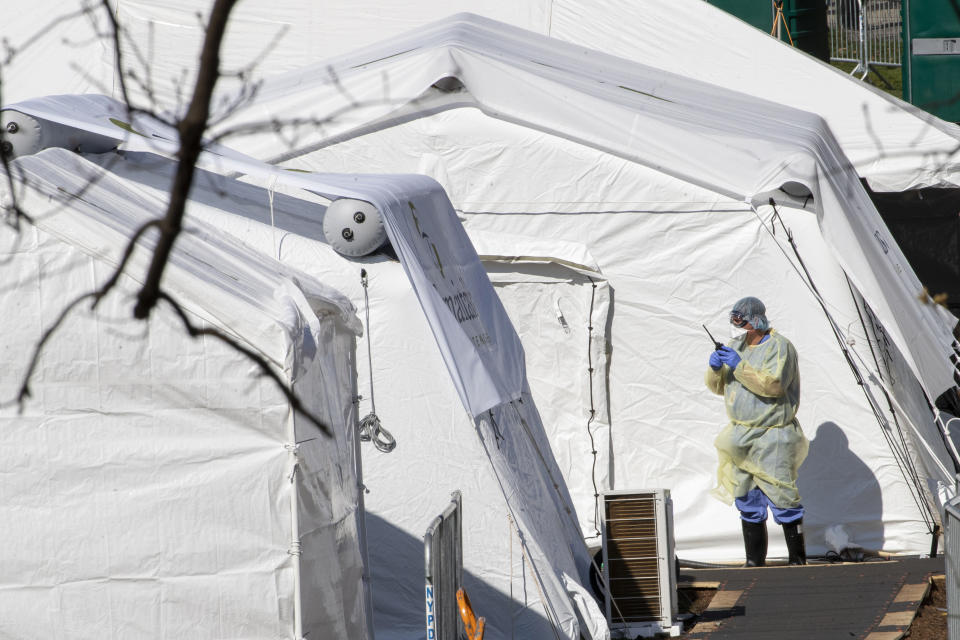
[(734, 144), (554, 323), (186, 422), (437, 449), (661, 435), (272, 36), (891, 143), (327, 486), (240, 290), (132, 512), (921, 434), (517, 446), (437, 452), (51, 35), (916, 149)]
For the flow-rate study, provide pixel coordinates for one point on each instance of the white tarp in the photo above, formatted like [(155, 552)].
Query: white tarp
[(480, 348), (889, 142), (720, 144), (646, 229), (158, 486), (734, 145), (479, 344), (436, 450), (569, 144)]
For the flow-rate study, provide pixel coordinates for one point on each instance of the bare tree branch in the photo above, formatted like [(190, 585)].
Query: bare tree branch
[(11, 51), (117, 52), (131, 247), (191, 130), (259, 360)]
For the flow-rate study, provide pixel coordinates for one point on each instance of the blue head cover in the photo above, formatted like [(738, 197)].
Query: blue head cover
[(753, 311)]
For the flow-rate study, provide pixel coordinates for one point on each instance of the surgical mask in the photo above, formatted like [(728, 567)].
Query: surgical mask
[(736, 332)]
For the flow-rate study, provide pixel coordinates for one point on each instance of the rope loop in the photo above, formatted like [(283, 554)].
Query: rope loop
[(370, 428), (372, 431)]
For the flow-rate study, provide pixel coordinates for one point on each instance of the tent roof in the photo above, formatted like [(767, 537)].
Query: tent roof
[(236, 289), (891, 143), (736, 145)]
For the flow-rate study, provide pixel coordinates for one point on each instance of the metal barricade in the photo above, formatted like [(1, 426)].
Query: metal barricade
[(952, 570), (443, 568), (867, 32)]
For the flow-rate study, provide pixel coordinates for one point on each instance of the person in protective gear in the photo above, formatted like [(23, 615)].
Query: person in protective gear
[(761, 449)]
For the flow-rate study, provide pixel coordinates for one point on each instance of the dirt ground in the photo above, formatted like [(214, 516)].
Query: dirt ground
[(931, 620), (693, 602)]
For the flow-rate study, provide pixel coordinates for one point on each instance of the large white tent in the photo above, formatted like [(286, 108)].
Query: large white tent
[(552, 559), (670, 221), (667, 181), (158, 485)]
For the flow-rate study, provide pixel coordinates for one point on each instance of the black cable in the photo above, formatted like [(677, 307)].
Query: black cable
[(593, 410), (903, 441), (497, 434)]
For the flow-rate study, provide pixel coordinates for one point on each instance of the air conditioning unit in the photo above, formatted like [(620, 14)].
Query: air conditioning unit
[(638, 563)]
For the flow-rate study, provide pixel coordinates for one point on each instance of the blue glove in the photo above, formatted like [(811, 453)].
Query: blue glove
[(715, 361), (729, 357)]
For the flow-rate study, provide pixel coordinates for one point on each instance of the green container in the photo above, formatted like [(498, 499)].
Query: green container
[(758, 13), (805, 19), (931, 57)]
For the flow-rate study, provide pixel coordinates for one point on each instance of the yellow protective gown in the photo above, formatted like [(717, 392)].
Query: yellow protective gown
[(763, 445)]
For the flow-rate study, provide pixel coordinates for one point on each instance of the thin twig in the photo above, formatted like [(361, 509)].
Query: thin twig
[(38, 348), (191, 130), (260, 361), (127, 253)]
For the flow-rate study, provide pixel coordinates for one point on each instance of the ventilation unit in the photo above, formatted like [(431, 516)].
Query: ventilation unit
[(638, 563)]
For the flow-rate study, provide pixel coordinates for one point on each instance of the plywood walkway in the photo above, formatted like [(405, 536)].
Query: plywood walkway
[(854, 601)]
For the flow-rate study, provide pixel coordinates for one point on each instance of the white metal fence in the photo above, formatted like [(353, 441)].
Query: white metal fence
[(951, 545), (867, 32)]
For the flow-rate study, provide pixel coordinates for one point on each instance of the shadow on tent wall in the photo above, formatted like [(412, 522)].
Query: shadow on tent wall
[(835, 481), (397, 571)]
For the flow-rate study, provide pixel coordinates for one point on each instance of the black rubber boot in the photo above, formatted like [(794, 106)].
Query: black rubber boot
[(793, 534), (755, 542)]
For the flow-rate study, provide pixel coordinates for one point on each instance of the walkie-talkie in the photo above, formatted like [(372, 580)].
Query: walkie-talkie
[(716, 345)]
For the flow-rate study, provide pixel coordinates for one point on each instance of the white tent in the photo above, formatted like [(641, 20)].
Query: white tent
[(157, 485), (890, 143), (666, 181), (661, 227), (551, 560), (711, 162)]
